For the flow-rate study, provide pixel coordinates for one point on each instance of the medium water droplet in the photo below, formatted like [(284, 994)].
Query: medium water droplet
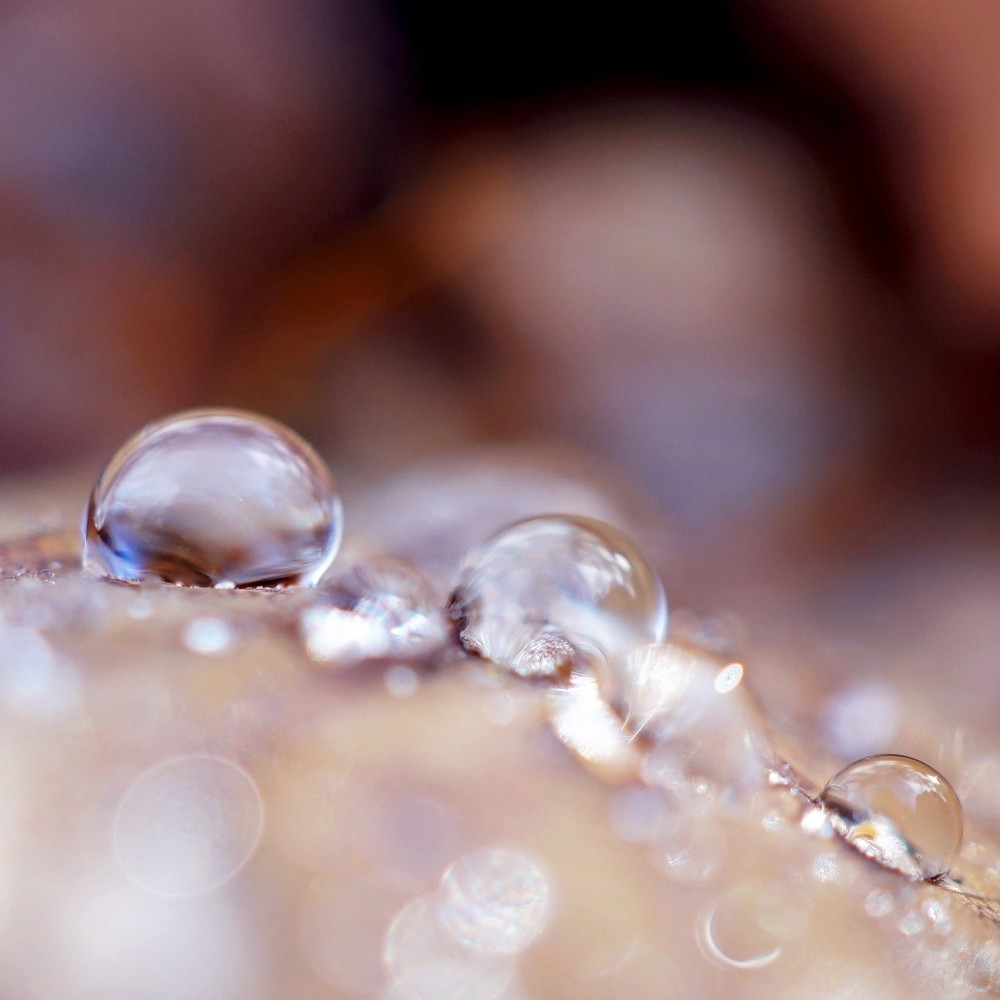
[(214, 498), (695, 708), (580, 717), (543, 594), (898, 811), (383, 608)]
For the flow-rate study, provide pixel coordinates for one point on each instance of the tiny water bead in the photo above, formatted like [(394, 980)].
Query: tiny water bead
[(898, 811), (214, 498), (544, 594)]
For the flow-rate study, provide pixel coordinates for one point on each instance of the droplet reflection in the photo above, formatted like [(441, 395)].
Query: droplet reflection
[(187, 825), (214, 498), (898, 811), (545, 592)]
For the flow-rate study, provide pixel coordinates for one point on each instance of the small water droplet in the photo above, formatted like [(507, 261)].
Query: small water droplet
[(582, 720), (214, 498), (378, 609), (545, 593), (898, 811)]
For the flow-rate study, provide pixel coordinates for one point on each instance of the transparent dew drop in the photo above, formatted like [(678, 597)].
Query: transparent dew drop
[(582, 721), (693, 709), (379, 609), (543, 594), (899, 812), (214, 498)]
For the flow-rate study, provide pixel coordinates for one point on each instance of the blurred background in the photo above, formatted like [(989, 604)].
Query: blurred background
[(749, 263), (732, 283)]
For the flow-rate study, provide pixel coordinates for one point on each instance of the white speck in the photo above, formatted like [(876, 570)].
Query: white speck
[(401, 682), (208, 635), (817, 821), (861, 720), (140, 609), (826, 868), (878, 903), (729, 678), (637, 814)]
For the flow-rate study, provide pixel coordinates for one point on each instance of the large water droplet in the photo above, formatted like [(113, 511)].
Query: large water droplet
[(545, 593), (214, 498), (898, 811)]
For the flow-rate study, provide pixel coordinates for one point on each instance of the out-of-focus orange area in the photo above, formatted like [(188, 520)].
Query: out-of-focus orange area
[(753, 267)]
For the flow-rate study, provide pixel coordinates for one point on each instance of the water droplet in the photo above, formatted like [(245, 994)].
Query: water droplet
[(694, 706), (545, 593), (581, 718), (214, 498), (383, 608), (898, 811), (495, 901), (187, 825)]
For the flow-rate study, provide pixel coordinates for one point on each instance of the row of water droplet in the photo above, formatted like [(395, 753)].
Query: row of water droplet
[(229, 500)]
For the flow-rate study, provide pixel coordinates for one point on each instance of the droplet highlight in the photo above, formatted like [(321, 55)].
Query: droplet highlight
[(899, 812), (546, 594), (214, 498)]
